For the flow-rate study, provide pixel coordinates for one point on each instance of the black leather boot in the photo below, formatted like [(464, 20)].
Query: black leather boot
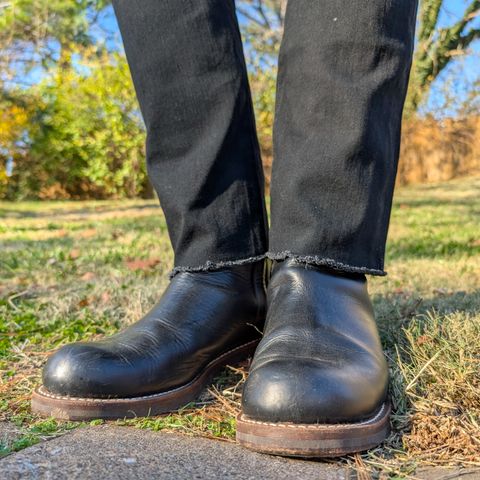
[(318, 381), (203, 321)]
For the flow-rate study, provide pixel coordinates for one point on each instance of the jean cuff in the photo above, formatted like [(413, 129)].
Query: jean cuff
[(324, 262), (211, 266)]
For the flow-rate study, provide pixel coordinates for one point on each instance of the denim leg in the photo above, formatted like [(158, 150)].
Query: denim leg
[(343, 75), (188, 68)]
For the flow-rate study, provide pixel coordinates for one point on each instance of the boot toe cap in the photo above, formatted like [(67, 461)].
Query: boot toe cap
[(283, 391), (75, 371)]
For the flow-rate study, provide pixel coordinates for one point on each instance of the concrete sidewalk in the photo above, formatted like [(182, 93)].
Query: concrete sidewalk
[(111, 452)]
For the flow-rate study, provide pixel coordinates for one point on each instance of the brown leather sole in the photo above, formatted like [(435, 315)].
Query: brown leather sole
[(314, 440), (74, 408)]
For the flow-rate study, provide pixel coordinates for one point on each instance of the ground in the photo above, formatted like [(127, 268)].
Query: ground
[(79, 270)]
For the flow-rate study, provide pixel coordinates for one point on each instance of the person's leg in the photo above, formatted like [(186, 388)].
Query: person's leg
[(343, 74), (188, 68), (189, 72)]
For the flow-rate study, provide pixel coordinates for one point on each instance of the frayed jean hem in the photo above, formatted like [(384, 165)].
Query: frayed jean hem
[(324, 262), (211, 266)]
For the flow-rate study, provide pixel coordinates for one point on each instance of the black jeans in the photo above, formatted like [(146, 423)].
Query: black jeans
[(343, 74)]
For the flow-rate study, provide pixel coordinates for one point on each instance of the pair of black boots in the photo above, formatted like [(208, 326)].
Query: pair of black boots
[(318, 380)]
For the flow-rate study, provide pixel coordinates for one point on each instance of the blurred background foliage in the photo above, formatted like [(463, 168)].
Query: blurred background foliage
[(70, 125)]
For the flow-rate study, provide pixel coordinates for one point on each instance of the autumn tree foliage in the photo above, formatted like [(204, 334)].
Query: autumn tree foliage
[(70, 122)]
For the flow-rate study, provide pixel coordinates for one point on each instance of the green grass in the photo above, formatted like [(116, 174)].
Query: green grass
[(71, 271)]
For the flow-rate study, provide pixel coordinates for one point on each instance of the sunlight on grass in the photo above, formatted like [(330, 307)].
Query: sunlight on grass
[(80, 270)]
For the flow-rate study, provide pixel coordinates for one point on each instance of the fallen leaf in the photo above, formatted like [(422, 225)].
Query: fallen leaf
[(87, 276), (89, 233), (139, 264), (74, 254), (83, 302), (61, 233), (105, 297)]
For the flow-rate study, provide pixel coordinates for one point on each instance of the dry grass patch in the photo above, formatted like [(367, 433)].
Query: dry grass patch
[(440, 366)]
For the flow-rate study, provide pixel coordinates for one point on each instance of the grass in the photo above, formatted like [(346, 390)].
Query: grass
[(80, 270)]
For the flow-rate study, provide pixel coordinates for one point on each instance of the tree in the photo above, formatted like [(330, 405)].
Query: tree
[(83, 135), (36, 33), (14, 117), (86, 137), (262, 26), (437, 47)]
